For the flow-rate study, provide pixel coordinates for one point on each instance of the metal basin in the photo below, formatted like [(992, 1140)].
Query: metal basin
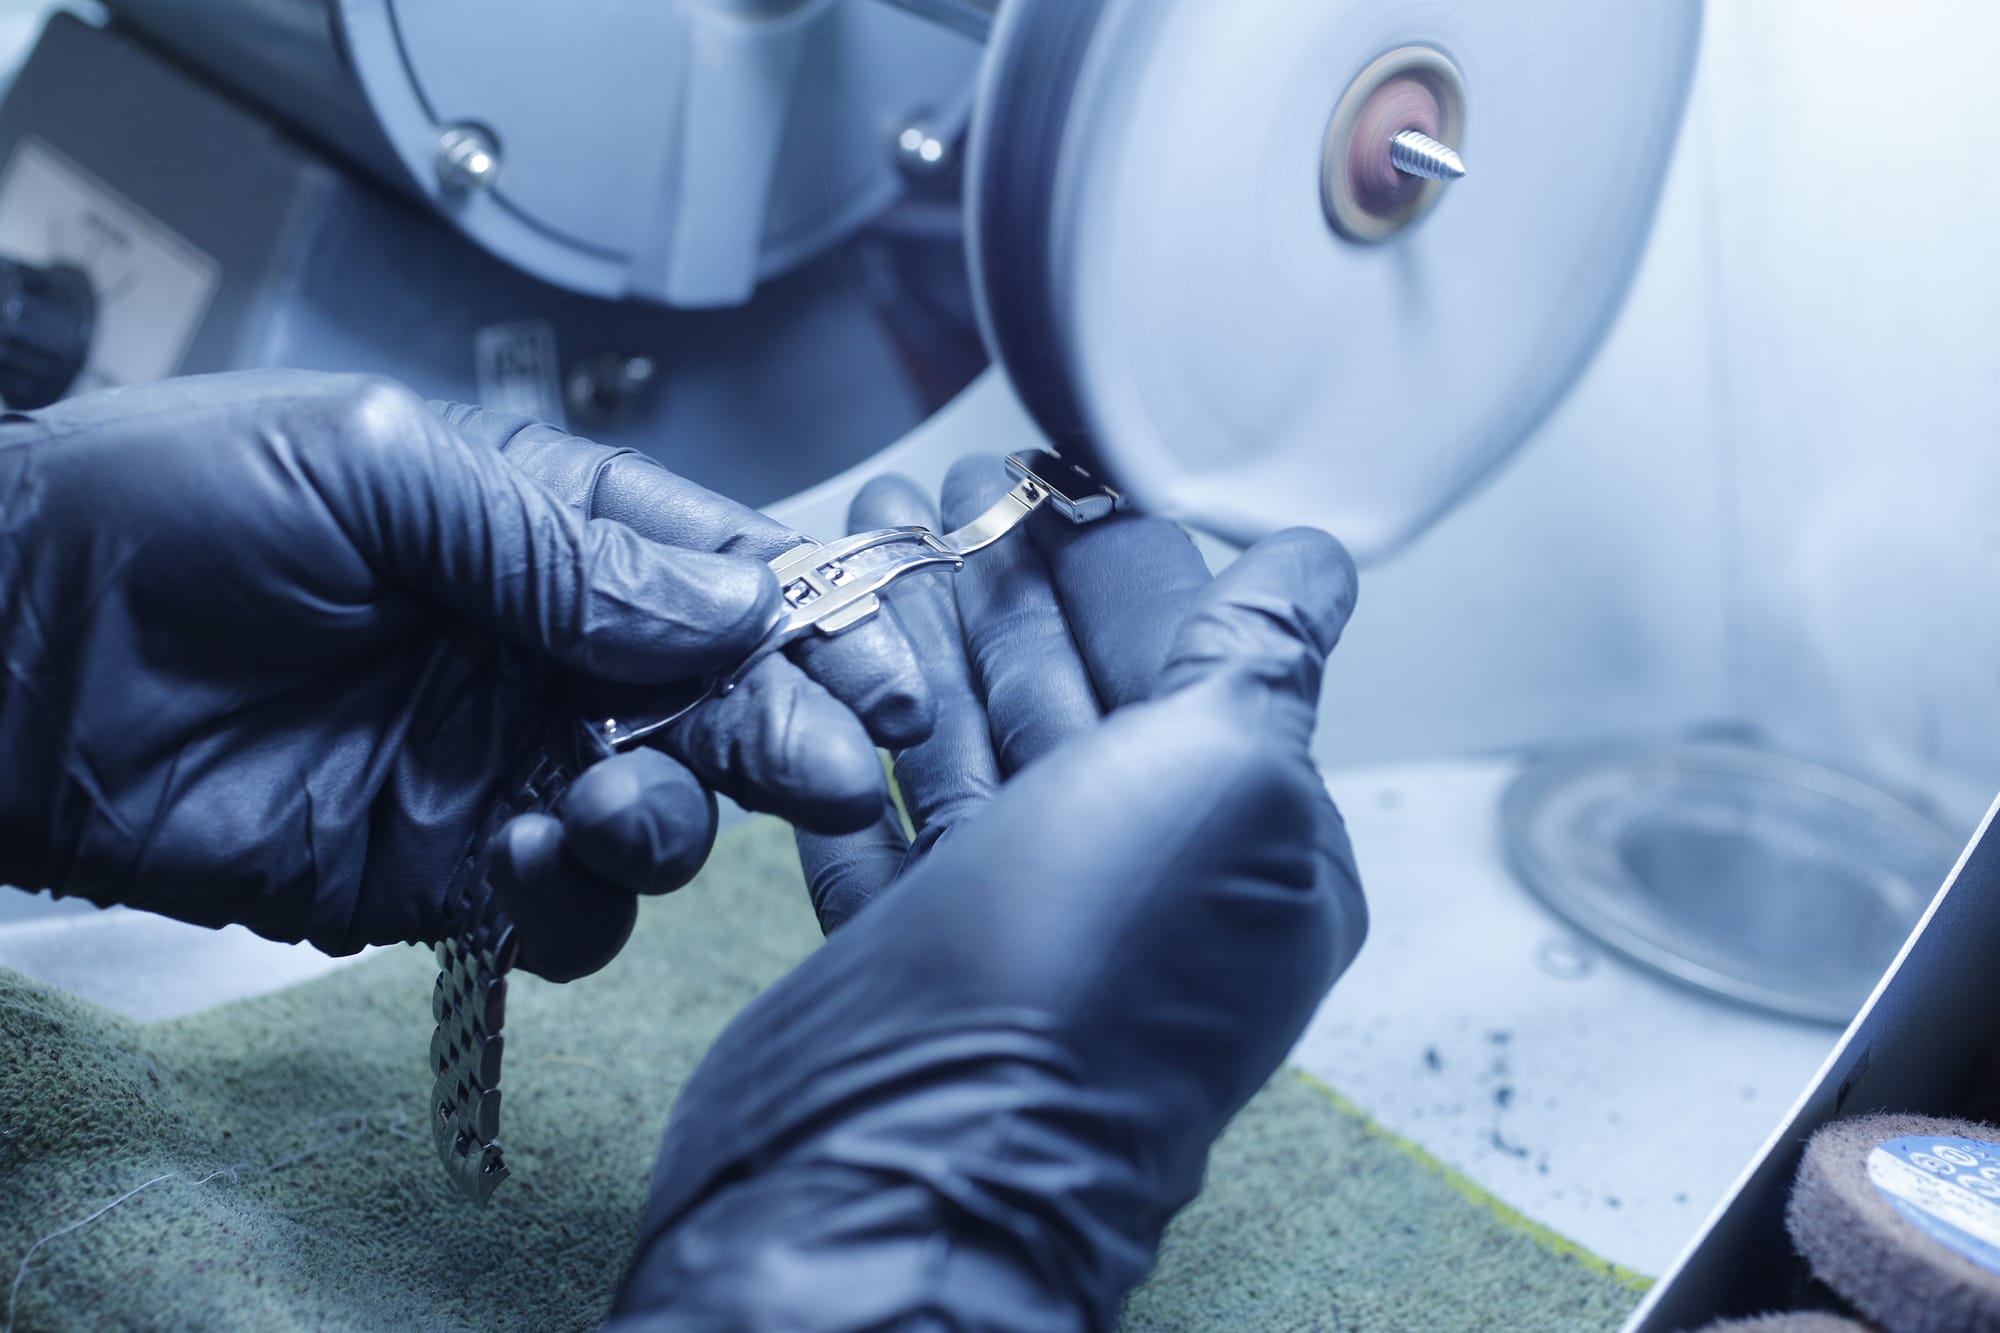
[(1762, 879)]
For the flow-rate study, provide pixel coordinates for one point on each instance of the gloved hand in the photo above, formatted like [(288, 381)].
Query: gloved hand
[(819, 768), (275, 641), (981, 1102)]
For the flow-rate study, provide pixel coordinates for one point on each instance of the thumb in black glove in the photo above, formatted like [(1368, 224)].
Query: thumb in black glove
[(273, 643)]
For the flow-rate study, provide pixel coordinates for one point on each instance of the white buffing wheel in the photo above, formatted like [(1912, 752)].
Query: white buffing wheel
[(1159, 273)]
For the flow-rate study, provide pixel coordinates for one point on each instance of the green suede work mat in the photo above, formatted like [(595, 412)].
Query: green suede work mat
[(269, 1165)]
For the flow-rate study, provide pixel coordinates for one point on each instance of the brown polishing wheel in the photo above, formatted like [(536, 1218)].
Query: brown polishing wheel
[(1900, 1215)]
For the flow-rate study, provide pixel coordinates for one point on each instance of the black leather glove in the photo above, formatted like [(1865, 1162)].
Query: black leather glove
[(274, 642), (981, 1102)]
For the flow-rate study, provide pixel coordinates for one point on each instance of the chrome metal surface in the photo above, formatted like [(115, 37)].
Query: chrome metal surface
[(469, 1004), (921, 151), (1000, 518), (467, 158), (1074, 491), (613, 735), (972, 18), (1380, 170), (469, 999), (1761, 879), (830, 587), (1415, 153)]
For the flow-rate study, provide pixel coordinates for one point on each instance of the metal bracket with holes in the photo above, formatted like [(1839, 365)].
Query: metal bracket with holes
[(828, 588)]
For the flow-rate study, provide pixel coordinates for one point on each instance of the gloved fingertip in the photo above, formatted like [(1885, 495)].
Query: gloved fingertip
[(845, 800), (524, 846), (900, 718), (1309, 558), (896, 699), (640, 821), (741, 593), (875, 671), (890, 501), (1273, 616), (847, 787), (662, 613), (781, 744), (844, 873), (569, 926)]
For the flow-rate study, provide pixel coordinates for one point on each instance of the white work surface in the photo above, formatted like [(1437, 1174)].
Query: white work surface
[(1599, 1100), (145, 966)]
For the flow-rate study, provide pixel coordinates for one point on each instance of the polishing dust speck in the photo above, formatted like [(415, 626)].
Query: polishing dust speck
[(1900, 1214), (1791, 1321)]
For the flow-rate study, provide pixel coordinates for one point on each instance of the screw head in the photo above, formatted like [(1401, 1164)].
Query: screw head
[(921, 152), (468, 158), (1415, 153), (1368, 194), (606, 389)]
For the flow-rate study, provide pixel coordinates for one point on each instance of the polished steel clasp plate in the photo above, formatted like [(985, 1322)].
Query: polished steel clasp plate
[(830, 587), (834, 586)]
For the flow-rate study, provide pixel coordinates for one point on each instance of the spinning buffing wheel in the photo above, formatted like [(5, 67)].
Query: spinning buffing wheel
[(1202, 270), (1900, 1214)]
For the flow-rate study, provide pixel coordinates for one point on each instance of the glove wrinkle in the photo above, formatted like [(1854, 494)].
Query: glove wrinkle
[(1161, 897), (845, 871), (1108, 991), (640, 822), (974, 1141), (838, 1251)]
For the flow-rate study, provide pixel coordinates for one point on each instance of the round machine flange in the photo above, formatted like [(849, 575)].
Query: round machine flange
[(1156, 269), (680, 151), (1753, 876), (1412, 88)]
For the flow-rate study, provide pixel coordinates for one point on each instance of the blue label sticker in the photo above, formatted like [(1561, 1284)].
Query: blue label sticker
[(1946, 1187)]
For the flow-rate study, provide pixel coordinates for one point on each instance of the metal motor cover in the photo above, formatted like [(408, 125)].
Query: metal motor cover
[(677, 152)]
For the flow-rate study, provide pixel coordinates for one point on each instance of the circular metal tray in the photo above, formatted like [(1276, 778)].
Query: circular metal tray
[(1751, 876)]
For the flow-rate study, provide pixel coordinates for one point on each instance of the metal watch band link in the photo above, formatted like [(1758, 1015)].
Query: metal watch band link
[(469, 1001)]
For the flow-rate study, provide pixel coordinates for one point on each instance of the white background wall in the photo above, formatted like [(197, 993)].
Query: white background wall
[(1859, 256), (1775, 498)]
